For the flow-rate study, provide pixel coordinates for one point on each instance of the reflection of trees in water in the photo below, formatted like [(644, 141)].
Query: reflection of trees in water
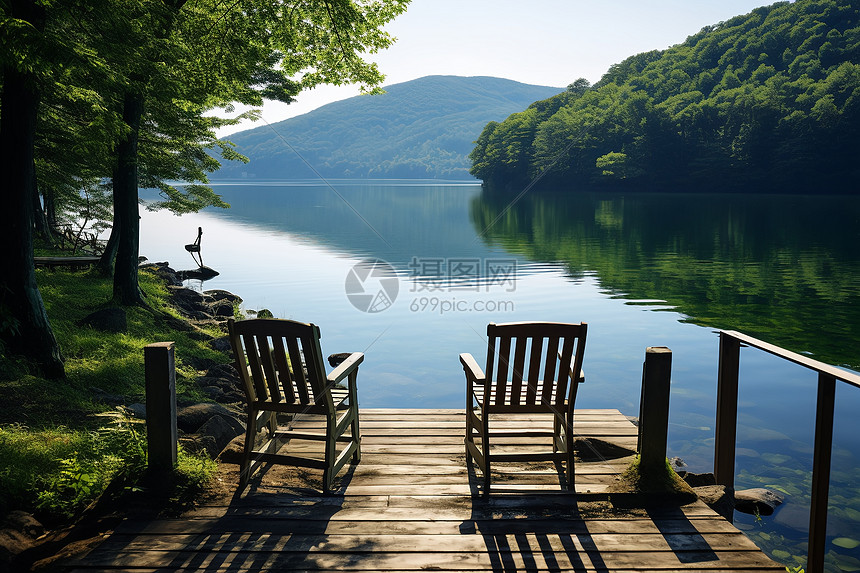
[(369, 220), (781, 268)]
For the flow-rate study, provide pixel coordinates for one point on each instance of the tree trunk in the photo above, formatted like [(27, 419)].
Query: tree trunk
[(24, 324), (106, 262), (125, 199), (43, 229), (50, 205)]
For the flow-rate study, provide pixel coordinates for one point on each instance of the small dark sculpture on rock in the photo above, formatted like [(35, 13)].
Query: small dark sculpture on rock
[(194, 248), (201, 272)]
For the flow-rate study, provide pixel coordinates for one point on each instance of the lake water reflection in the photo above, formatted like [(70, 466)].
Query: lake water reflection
[(642, 270)]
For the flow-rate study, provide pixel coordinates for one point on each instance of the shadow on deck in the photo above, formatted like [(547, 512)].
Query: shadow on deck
[(411, 504)]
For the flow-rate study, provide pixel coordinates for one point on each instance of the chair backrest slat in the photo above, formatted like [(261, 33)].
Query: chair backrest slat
[(534, 370), (241, 364), (565, 345), (517, 373), (549, 371), (301, 380), (268, 363), (563, 371), (283, 365), (501, 386), (280, 361), (316, 371), (253, 355), (491, 362)]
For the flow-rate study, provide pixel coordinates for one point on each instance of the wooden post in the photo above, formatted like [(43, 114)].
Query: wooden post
[(821, 472), (654, 407), (161, 434), (727, 410)]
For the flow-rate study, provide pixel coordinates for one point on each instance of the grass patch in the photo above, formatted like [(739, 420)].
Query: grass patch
[(63, 442), (642, 486)]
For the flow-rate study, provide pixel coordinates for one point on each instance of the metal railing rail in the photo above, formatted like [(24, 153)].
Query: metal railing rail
[(727, 421)]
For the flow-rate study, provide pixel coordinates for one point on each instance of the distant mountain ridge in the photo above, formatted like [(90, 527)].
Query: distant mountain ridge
[(424, 128)]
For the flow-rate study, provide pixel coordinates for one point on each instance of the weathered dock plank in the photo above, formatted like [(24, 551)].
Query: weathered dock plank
[(412, 504)]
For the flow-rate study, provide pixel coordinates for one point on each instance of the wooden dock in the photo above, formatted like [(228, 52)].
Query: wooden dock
[(411, 505)]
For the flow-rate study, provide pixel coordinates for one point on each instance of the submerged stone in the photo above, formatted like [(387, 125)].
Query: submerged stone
[(757, 500)]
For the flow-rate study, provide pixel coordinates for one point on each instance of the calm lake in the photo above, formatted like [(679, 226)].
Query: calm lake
[(410, 273)]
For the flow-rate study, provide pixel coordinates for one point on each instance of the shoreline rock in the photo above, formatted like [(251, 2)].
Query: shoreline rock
[(758, 500), (204, 426), (19, 531)]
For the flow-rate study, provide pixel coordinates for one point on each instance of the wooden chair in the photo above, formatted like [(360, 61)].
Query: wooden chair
[(281, 366), (547, 356)]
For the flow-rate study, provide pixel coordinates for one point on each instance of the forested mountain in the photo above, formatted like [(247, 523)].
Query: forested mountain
[(769, 101), (423, 128)]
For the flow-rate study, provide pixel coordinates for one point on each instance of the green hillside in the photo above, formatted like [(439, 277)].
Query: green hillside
[(423, 128), (769, 101)]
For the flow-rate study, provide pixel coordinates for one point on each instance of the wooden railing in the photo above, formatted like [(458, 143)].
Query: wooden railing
[(727, 420)]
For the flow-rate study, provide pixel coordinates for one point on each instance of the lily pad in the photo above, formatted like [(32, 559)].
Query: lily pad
[(787, 489), (775, 459), (781, 554), (846, 562), (846, 542)]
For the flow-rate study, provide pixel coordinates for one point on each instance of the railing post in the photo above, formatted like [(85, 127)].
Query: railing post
[(821, 472), (161, 434), (654, 407), (727, 410)]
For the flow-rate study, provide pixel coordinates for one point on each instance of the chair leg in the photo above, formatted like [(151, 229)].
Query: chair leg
[(353, 405), (330, 453), (486, 470), (568, 444), (250, 438), (356, 437), (469, 437), (485, 449)]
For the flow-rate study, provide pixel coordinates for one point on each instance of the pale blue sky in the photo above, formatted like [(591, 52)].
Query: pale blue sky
[(544, 42)]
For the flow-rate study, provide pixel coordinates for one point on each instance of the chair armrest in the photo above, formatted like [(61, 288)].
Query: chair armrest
[(581, 371), (471, 368), (345, 368)]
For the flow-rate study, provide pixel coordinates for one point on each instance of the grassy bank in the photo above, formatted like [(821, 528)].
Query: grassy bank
[(63, 442)]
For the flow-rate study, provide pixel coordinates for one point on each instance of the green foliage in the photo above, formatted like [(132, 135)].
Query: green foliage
[(59, 472), (111, 362), (61, 445), (116, 451), (187, 60), (768, 101), (423, 128)]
